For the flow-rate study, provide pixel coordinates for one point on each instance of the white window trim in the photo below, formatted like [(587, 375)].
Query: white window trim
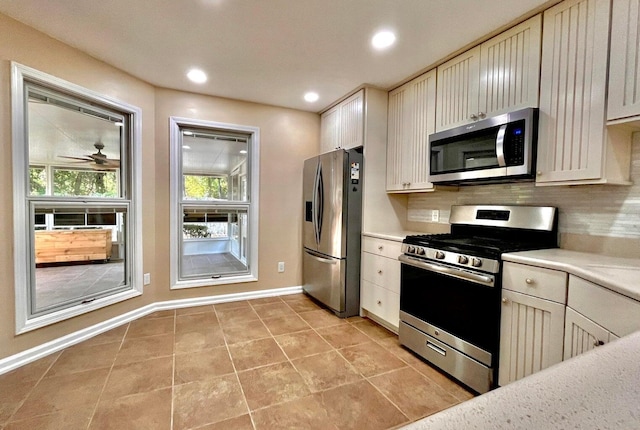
[(176, 194), (22, 257)]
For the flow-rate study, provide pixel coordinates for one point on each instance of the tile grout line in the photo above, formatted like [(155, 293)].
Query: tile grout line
[(95, 408), (235, 371), (32, 389), (417, 370), (365, 378), (173, 369), (351, 366)]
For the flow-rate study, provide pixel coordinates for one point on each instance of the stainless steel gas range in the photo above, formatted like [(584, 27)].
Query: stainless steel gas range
[(450, 286)]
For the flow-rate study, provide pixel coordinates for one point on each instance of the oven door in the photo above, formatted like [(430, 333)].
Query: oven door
[(458, 307)]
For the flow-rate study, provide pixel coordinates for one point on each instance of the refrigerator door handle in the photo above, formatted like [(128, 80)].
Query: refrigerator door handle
[(321, 259), (314, 206), (318, 198)]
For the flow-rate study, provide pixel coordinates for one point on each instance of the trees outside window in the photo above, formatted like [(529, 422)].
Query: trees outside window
[(214, 203), (76, 166)]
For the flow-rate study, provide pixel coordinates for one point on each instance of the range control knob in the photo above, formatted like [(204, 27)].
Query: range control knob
[(440, 255), (463, 259), (420, 251), (411, 249), (476, 262)]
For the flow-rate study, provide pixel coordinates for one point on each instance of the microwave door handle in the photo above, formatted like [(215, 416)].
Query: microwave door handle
[(500, 145)]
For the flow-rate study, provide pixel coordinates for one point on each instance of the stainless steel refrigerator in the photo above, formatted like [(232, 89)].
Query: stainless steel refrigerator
[(332, 225)]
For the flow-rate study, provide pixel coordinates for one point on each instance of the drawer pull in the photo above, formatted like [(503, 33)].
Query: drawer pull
[(379, 302), (436, 348), (598, 343), (379, 272), (380, 247), (529, 281), (505, 300)]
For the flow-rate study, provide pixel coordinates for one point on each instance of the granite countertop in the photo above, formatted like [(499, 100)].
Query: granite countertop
[(621, 275), (599, 389)]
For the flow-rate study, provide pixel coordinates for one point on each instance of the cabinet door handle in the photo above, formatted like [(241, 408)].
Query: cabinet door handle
[(379, 302), (380, 247), (481, 115), (529, 281), (598, 343), (379, 272), (473, 117), (505, 300)]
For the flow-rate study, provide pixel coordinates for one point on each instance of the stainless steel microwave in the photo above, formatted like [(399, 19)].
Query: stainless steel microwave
[(497, 149)]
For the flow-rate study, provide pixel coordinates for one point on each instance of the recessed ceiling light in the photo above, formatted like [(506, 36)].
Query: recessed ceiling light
[(243, 151), (186, 147), (197, 76), (187, 133), (383, 39), (311, 97), (119, 124)]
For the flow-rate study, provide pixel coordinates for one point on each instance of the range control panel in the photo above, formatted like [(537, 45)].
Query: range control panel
[(453, 258)]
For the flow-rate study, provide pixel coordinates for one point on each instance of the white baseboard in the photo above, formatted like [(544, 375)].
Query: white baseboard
[(20, 359)]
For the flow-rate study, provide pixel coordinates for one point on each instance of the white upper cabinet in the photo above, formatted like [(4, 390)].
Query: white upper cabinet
[(624, 61), (458, 81), (330, 129), (510, 69), (574, 146), (342, 126), (498, 76), (411, 119)]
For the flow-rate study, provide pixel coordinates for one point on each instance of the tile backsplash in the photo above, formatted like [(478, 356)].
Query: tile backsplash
[(598, 210)]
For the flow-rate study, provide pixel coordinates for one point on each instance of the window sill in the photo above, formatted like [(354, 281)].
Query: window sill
[(64, 314), (210, 282)]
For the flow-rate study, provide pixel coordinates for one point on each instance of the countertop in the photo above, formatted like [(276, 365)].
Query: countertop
[(397, 236), (621, 275), (599, 389)]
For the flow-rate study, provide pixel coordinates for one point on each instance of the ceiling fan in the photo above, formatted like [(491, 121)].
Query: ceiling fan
[(98, 161)]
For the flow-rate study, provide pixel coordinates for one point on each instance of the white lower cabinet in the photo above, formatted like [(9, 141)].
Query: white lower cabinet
[(380, 281), (532, 321), (382, 303), (549, 316), (582, 334)]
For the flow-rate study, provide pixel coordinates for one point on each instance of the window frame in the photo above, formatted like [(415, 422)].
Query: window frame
[(176, 200), (24, 264)]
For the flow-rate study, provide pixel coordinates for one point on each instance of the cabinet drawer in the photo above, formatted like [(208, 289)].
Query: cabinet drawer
[(535, 281), (615, 312), (381, 302), (382, 271), (386, 248)]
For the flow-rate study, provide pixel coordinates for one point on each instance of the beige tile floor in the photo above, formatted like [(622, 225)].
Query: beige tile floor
[(274, 363)]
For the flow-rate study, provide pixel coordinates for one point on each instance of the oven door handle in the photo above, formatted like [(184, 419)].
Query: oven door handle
[(449, 271)]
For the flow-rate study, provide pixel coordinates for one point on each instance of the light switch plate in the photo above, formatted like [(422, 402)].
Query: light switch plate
[(280, 266), (147, 278), (435, 215)]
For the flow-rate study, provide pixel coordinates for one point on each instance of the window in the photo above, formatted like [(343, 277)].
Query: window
[(76, 191), (214, 207)]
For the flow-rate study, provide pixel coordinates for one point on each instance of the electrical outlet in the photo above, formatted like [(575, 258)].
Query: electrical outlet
[(147, 278), (281, 266), (435, 215)]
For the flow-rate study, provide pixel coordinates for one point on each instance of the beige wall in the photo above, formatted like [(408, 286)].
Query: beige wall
[(287, 138)]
